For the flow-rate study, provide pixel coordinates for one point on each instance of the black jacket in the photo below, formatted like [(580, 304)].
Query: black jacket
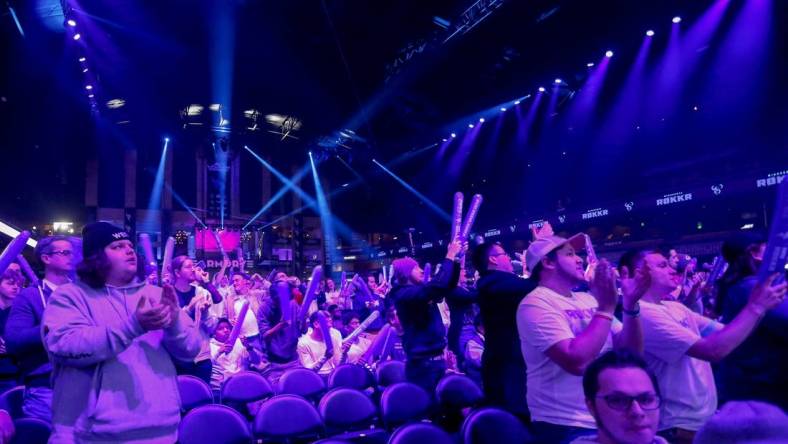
[(500, 294), (417, 309)]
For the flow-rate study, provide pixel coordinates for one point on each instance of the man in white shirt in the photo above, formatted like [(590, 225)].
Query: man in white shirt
[(562, 332), (312, 348), (229, 359), (680, 344)]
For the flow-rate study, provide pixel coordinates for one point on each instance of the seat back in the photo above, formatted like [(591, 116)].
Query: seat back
[(420, 433), (11, 401), (494, 426), (246, 387), (390, 372), (403, 402), (194, 392), (216, 424), (456, 392), (350, 376), (302, 382), (287, 417), (346, 409), (31, 431)]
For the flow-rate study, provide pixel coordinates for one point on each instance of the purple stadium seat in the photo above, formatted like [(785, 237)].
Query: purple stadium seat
[(11, 401), (246, 387), (456, 392), (494, 426), (31, 431), (288, 417), (351, 416), (194, 392), (350, 376), (420, 433), (403, 402), (214, 424), (390, 372), (302, 382)]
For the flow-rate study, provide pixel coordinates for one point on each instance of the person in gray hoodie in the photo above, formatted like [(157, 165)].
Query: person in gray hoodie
[(112, 340)]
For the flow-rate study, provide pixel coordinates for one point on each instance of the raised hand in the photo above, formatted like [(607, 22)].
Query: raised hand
[(766, 296), (170, 302), (545, 230), (150, 317), (634, 285), (603, 287)]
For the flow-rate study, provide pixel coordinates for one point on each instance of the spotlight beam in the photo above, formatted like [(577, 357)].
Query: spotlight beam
[(275, 198), (325, 214), (155, 196), (443, 214)]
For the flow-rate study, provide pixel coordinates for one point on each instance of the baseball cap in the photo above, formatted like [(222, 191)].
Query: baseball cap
[(542, 246)]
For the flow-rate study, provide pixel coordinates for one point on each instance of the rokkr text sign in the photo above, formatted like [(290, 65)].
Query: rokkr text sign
[(670, 199), (771, 180), (598, 212)]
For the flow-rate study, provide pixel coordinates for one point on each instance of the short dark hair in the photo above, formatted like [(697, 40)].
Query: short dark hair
[(94, 269), (614, 359), (632, 259), (13, 275), (348, 316), (44, 246), (177, 263), (480, 257)]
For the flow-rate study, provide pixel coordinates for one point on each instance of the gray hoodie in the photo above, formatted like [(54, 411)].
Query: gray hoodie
[(113, 382)]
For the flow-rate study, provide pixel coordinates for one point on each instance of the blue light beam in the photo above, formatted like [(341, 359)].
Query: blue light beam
[(443, 214)]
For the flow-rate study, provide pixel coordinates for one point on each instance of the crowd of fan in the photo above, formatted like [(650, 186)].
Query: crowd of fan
[(579, 350)]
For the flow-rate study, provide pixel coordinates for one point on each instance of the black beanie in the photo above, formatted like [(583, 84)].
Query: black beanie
[(97, 235)]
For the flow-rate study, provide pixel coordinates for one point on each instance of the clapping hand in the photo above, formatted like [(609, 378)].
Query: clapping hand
[(766, 296), (603, 287), (152, 317), (634, 285)]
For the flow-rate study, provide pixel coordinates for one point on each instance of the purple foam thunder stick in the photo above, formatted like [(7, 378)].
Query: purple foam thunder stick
[(147, 251), (13, 249), (342, 281), (239, 322), (391, 272), (427, 272), (324, 328), (239, 254), (590, 249), (362, 327), (381, 279), (271, 275), (384, 270), (456, 216), (28, 271), (283, 293), (311, 292), (473, 210), (219, 243), (362, 287), (169, 247)]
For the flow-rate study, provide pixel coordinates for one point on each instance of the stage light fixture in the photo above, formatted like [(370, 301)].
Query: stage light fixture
[(541, 89), (676, 19), (82, 59), (71, 22), (89, 87), (516, 102), (558, 81), (445, 139), (453, 135), (503, 109), (650, 33), (481, 119), (590, 64), (470, 125), (608, 53), (77, 36)]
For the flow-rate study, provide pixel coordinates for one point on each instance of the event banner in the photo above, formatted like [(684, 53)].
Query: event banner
[(776, 254)]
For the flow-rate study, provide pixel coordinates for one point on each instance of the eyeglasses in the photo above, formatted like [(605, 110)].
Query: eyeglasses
[(646, 401), (64, 253)]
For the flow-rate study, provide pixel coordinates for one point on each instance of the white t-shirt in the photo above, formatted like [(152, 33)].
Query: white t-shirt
[(310, 351), (226, 365), (689, 396), (545, 318), (249, 328)]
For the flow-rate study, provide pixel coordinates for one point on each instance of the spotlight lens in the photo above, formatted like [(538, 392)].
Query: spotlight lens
[(676, 19), (77, 36), (82, 59), (470, 125), (590, 64), (71, 22), (650, 33), (516, 102), (453, 135), (503, 109), (445, 139), (541, 89), (609, 54), (89, 87), (557, 81), (481, 119)]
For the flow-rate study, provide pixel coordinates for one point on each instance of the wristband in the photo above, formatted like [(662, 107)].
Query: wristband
[(633, 313), (604, 315)]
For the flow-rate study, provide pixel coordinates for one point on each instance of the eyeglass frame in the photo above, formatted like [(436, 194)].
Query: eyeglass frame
[(630, 400), (64, 253)]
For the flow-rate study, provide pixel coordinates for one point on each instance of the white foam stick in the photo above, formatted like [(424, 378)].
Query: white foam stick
[(391, 272), (385, 274), (427, 272), (437, 269), (311, 292), (147, 250), (169, 247), (342, 281), (283, 293), (377, 345), (239, 322), (28, 271), (362, 327), (381, 279), (324, 328), (456, 216), (470, 218), (590, 249), (239, 254)]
